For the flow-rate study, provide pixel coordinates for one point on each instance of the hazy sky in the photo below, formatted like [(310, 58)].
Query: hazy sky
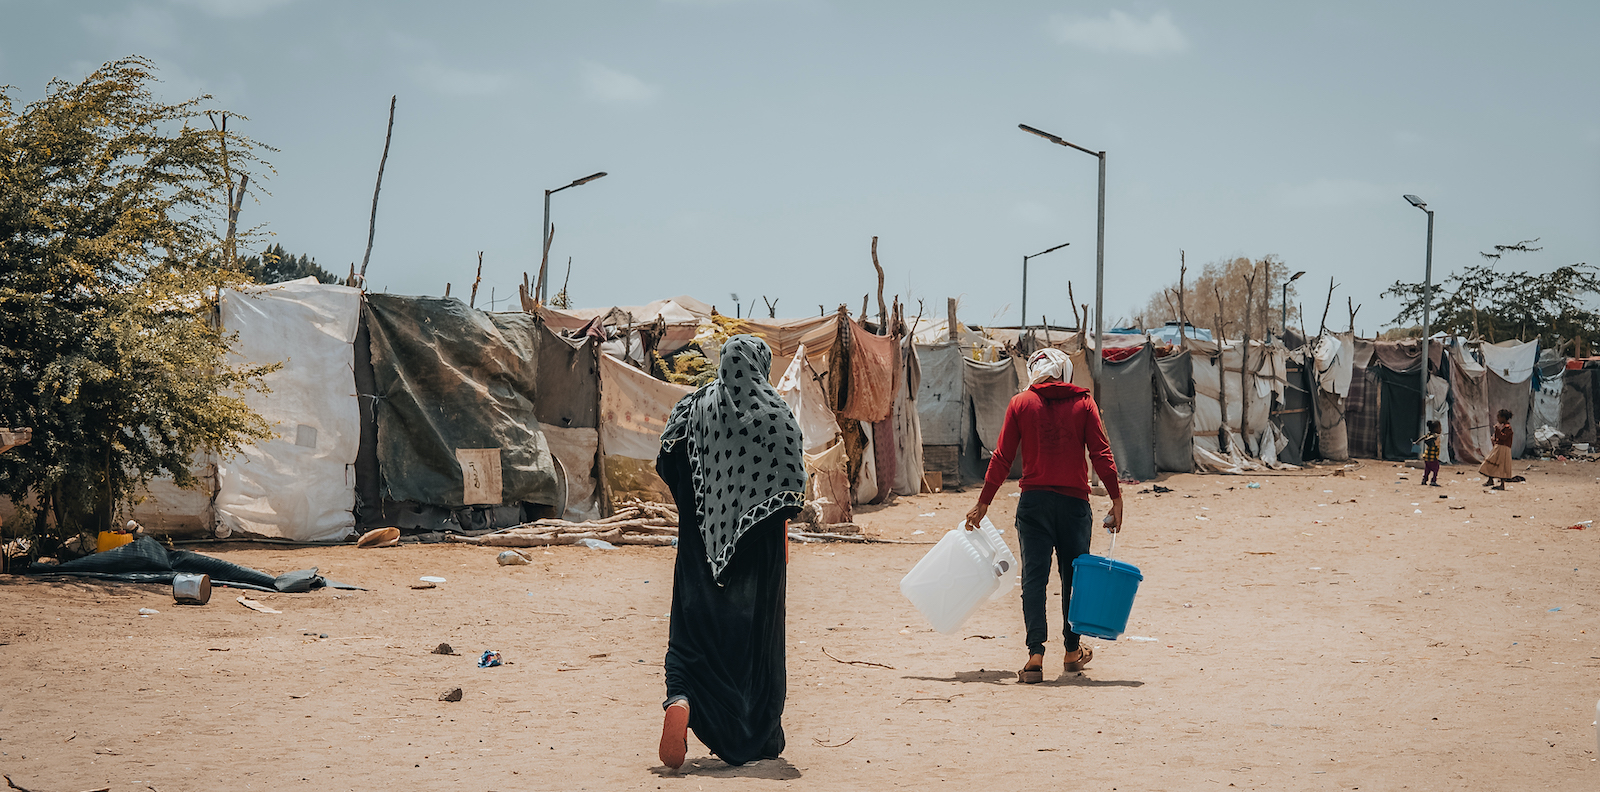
[(756, 146)]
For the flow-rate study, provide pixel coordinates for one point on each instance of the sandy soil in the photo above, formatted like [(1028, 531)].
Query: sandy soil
[(1316, 633)]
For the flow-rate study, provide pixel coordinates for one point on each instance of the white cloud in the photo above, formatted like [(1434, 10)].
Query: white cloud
[(1119, 32), (233, 9), (453, 81), (1337, 193), (606, 84)]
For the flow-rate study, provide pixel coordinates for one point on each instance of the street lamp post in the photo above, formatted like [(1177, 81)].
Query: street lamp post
[(1099, 252), (1427, 303), (1025, 285), (1286, 283), (544, 239)]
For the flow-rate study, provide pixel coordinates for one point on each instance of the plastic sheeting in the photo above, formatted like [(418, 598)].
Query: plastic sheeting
[(634, 408), (1511, 361), (1546, 409), (873, 376), (455, 389), (1470, 417), (828, 483), (1127, 396), (1361, 413), (1580, 411), (1294, 418), (940, 399), (575, 449), (1174, 413), (1499, 394), (1400, 406), (1439, 410), (802, 391), (908, 427), (299, 485), (1333, 356)]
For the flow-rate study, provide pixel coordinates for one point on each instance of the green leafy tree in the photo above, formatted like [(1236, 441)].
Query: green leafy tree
[(110, 263), (1484, 302), (274, 265)]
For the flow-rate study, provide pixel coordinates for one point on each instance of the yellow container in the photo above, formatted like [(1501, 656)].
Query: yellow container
[(110, 539)]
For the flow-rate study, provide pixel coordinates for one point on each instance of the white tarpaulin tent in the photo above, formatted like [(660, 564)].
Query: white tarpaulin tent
[(299, 485)]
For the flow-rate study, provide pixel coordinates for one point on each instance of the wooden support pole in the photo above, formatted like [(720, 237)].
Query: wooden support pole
[(372, 224)]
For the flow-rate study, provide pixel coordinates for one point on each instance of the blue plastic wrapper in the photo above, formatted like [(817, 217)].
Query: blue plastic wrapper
[(490, 659)]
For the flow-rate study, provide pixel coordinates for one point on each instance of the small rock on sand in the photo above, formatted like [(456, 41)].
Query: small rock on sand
[(444, 648), (453, 694)]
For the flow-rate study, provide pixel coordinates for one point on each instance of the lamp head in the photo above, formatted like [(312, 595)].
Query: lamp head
[(1417, 202), (1296, 276), (591, 177)]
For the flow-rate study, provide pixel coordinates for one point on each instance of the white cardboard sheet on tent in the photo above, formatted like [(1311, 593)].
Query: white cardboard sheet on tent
[(575, 448), (634, 408), (1511, 361), (299, 485), (801, 391), (1333, 357)]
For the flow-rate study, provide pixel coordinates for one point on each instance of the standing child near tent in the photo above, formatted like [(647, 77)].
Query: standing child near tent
[(1430, 453), (1498, 465)]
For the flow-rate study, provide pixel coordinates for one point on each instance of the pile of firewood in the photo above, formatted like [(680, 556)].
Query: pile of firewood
[(636, 523)]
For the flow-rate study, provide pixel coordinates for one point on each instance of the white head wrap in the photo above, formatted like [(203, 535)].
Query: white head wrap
[(1048, 364)]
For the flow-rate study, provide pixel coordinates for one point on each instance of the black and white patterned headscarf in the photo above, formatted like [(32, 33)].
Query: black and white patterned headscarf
[(744, 448)]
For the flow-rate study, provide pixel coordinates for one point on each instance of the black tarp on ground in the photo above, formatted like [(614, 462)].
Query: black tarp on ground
[(1580, 412), (1400, 411), (1174, 413), (144, 560), (1294, 415), (1127, 407), (447, 377)]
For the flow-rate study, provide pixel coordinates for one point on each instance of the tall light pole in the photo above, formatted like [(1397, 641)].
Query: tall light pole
[(1427, 303), (1292, 279), (1025, 285), (544, 239), (1099, 252)]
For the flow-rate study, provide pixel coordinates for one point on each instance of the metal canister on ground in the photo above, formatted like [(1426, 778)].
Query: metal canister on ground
[(191, 589)]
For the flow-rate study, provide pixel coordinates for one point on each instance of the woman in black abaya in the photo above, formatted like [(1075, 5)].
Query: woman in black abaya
[(731, 455)]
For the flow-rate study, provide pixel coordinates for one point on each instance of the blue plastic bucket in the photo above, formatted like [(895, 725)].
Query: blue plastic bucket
[(1102, 596)]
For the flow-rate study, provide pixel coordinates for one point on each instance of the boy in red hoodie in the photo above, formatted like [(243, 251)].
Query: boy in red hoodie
[(1058, 426)]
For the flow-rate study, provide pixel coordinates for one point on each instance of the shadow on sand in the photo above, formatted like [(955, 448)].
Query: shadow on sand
[(711, 767), (992, 677)]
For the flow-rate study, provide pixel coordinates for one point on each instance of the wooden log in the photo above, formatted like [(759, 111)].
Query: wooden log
[(635, 539)]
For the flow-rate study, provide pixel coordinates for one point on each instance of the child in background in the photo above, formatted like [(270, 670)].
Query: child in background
[(1430, 453), (1498, 465)]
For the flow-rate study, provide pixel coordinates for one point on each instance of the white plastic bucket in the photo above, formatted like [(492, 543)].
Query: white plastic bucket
[(959, 574)]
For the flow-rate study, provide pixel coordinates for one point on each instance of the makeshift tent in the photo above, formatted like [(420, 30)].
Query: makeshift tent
[(1331, 371), (1470, 418), (941, 408), (1548, 384), (1580, 409), (907, 478), (567, 403), (1174, 418), (456, 425), (1127, 395), (634, 408), (1293, 416), (299, 484), (986, 390)]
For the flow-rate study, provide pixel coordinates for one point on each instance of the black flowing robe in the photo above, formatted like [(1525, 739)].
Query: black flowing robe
[(725, 650)]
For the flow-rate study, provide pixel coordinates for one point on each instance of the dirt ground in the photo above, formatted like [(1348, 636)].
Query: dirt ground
[(1320, 632)]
